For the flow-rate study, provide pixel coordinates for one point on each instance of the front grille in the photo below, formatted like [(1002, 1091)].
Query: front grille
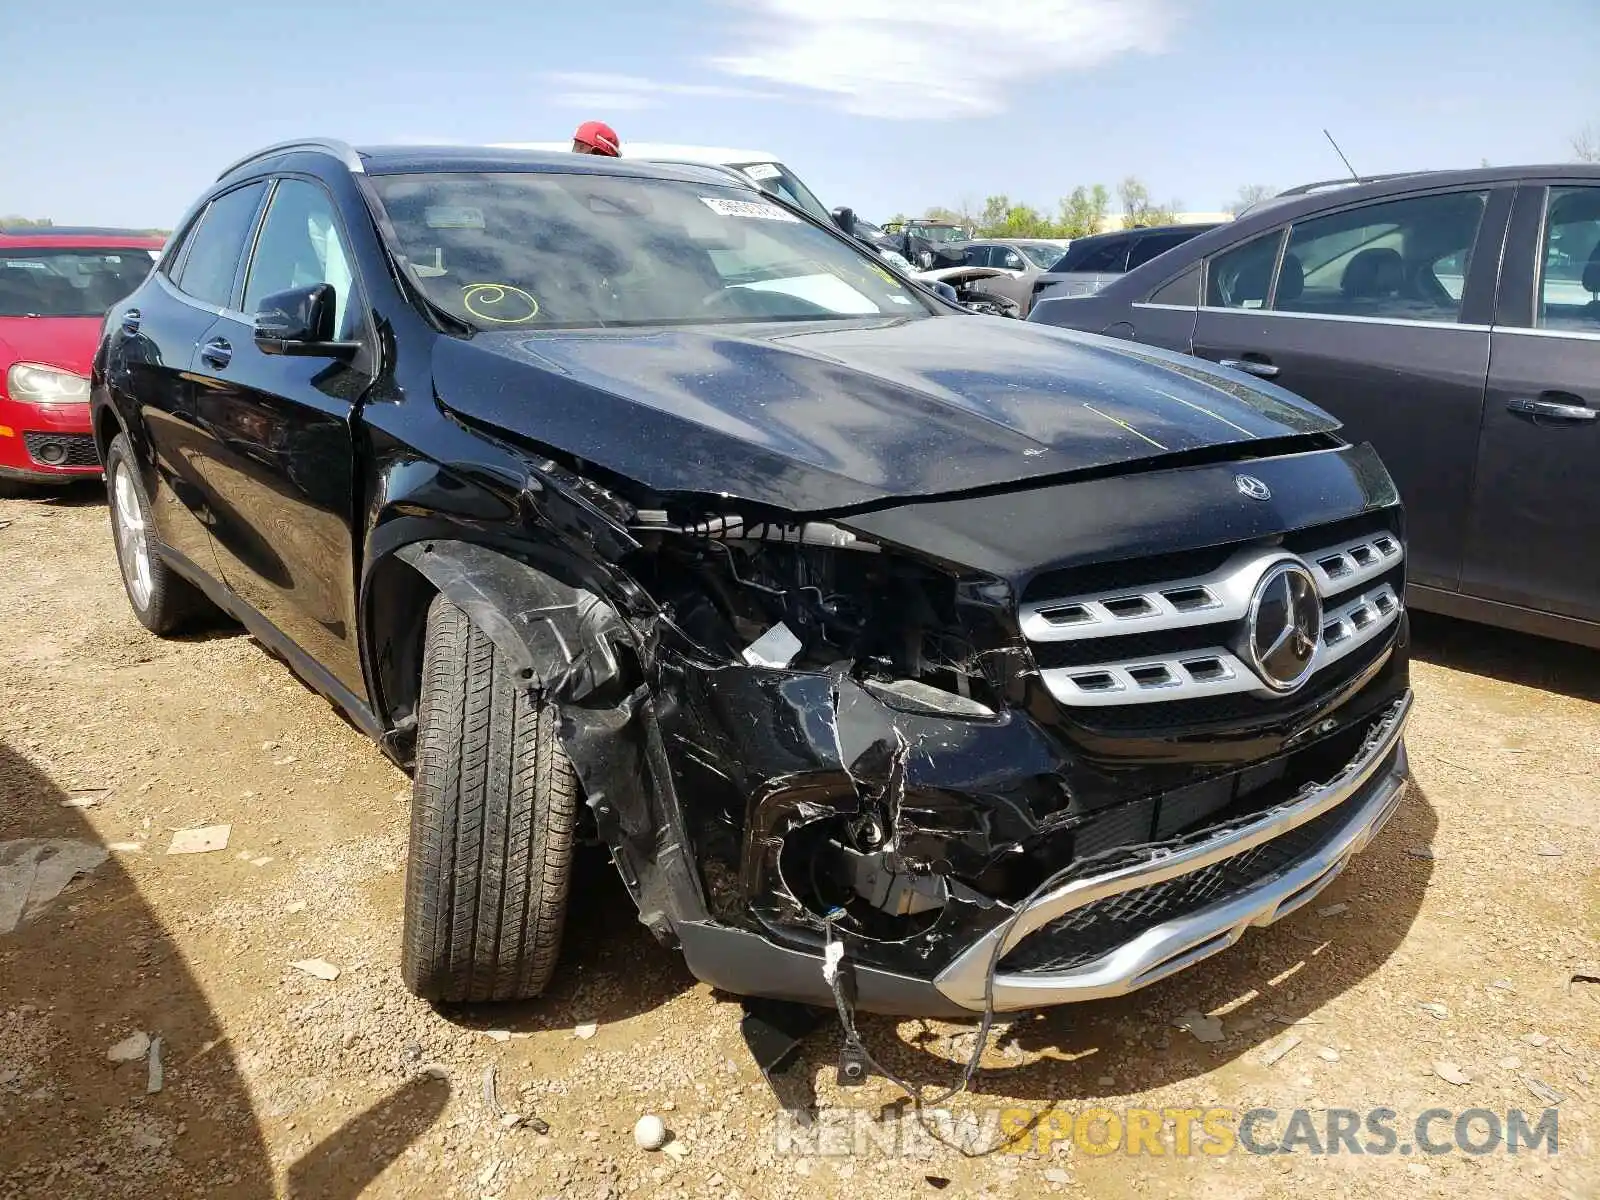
[(1174, 631), (62, 449), (1096, 929)]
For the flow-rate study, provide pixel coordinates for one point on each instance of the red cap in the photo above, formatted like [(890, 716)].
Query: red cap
[(599, 137)]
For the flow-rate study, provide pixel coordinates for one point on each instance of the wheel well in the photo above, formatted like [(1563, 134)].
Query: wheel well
[(106, 428), (398, 597)]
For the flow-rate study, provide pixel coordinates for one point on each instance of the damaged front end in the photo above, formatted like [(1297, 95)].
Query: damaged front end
[(993, 781)]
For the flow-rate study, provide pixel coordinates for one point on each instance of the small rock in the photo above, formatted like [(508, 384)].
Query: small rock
[(1543, 1090), (1057, 1175), (157, 1076), (286, 760), (262, 861), (318, 967), (1420, 851), (586, 1031), (1421, 1169), (1333, 910), (1510, 1063), (1535, 1039), (486, 1176), (1450, 1073), (1204, 1028), (678, 1150), (130, 1049), (650, 1132), (510, 1120), (497, 1035), (295, 906), (269, 745), (1549, 850), (1583, 1076), (1503, 984), (1328, 1054), (1435, 1010), (202, 840), (125, 847)]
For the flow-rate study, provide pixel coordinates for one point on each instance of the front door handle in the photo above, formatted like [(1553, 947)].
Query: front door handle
[(130, 321), (216, 353), (1251, 366), (1558, 406)]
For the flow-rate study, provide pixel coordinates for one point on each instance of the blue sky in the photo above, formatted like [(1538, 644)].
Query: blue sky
[(121, 115)]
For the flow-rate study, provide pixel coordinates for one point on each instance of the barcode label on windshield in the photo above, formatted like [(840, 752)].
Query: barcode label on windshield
[(747, 208)]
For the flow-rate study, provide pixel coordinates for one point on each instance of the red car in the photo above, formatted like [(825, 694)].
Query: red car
[(56, 286)]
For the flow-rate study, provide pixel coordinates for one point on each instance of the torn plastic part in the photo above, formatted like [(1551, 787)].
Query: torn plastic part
[(912, 695), (898, 893), (561, 638), (734, 527), (777, 647)]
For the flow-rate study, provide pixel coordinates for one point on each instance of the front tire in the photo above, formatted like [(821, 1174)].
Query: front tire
[(494, 806), (162, 599)]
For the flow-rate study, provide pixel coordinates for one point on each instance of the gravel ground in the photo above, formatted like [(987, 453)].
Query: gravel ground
[(1445, 954)]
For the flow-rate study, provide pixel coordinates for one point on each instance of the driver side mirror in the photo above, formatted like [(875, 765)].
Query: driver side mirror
[(301, 321), (845, 219)]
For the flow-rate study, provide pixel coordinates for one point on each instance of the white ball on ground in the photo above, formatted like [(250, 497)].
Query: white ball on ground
[(650, 1132)]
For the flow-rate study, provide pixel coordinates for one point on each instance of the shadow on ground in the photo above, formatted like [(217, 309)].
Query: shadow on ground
[(1506, 655), (89, 968)]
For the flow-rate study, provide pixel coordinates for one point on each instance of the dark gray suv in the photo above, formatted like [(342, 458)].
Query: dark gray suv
[(1452, 319)]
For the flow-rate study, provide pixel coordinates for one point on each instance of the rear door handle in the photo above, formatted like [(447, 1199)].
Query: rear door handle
[(216, 353), (130, 321), (1251, 366), (1558, 406)]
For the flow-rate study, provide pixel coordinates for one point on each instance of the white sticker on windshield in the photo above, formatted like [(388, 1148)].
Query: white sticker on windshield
[(443, 216), (762, 171), (747, 208)]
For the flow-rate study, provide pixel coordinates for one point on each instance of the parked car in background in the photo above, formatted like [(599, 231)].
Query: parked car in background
[(56, 284), (1024, 260), (1450, 318), (929, 244), (993, 665), (1094, 261)]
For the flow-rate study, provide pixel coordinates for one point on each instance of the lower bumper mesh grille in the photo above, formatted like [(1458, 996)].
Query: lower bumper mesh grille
[(62, 449), (1096, 929)]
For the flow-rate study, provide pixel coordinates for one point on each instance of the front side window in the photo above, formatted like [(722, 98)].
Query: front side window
[(1569, 287), (1007, 259), (541, 250), (217, 245), (1240, 278), (69, 283), (1043, 257), (1401, 259), (300, 245)]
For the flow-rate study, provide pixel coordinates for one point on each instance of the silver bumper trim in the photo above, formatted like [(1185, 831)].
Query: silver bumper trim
[(1176, 944)]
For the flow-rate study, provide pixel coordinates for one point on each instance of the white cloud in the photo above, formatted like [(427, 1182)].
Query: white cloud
[(630, 93), (935, 58)]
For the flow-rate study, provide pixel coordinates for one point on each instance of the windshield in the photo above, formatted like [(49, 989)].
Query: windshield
[(539, 250), (68, 283), (937, 233), (776, 178), (1043, 256)]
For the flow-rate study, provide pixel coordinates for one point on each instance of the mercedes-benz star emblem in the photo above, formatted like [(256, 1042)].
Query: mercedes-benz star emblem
[(1249, 485), (1285, 626)]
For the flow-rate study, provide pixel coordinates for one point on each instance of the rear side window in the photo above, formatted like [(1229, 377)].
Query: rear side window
[(1569, 283), (1239, 278), (1401, 259), (217, 244)]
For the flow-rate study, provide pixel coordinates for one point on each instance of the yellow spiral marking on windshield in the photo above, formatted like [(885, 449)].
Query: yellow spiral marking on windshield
[(479, 296)]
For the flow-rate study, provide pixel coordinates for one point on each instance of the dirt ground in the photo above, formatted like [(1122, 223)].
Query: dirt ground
[(1453, 940)]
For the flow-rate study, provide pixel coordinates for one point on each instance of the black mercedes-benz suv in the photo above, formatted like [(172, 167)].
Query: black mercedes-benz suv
[(988, 663)]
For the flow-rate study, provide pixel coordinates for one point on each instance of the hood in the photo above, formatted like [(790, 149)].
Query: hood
[(824, 416), (67, 342)]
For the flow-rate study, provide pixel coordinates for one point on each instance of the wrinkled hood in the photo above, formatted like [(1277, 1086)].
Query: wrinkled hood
[(827, 415), (67, 342)]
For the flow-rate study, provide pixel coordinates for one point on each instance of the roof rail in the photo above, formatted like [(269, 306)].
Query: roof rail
[(1322, 184), (330, 146)]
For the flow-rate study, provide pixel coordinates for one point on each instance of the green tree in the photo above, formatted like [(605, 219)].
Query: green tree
[(1083, 212), (1251, 194), (1139, 209), (27, 222)]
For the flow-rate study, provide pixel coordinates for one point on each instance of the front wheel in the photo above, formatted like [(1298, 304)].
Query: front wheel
[(493, 810)]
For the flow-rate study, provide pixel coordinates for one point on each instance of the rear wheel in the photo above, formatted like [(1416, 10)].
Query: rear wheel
[(162, 599), (493, 809)]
